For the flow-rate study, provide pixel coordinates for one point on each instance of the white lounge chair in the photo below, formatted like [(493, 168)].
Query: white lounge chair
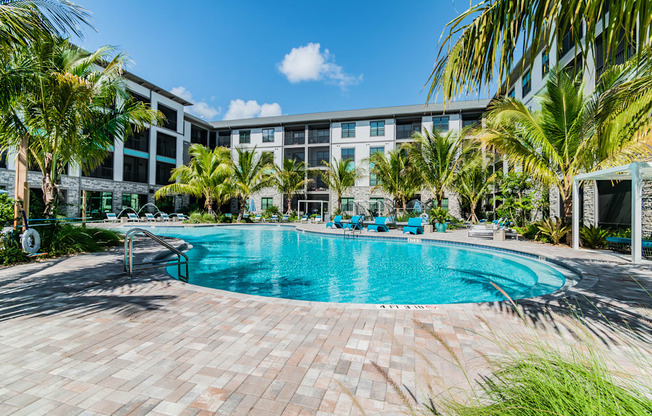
[(317, 219), (258, 218), (149, 217), (165, 217), (273, 218), (286, 218), (111, 217), (132, 217), (181, 217)]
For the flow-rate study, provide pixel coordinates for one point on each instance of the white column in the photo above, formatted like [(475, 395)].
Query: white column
[(576, 215), (637, 213)]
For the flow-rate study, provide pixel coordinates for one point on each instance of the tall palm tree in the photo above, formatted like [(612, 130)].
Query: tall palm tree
[(472, 186), (340, 176), (207, 175), (73, 111), (290, 179), (482, 42), (437, 157), (251, 173), (571, 133), (396, 175)]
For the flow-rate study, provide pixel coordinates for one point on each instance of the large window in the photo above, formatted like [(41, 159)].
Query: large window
[(166, 145), (295, 136), (319, 135), (512, 93), (526, 83), (105, 170), (347, 204), (133, 201), (377, 128), (376, 206), (471, 120), (348, 129), (406, 130), (317, 183), (296, 154), (224, 139), (266, 202), (318, 155), (268, 135), (373, 179), (198, 135), (98, 203), (567, 40), (3, 160), (170, 117), (440, 124), (141, 98), (348, 154), (545, 64), (138, 140), (135, 169), (163, 172), (245, 136)]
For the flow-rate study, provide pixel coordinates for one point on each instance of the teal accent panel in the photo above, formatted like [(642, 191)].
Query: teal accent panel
[(166, 159), (136, 153)]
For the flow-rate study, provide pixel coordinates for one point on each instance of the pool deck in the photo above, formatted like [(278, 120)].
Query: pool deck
[(78, 337)]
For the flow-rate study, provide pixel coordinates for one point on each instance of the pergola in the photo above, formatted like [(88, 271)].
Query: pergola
[(312, 201), (634, 172)]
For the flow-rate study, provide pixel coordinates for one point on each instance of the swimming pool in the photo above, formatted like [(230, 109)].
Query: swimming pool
[(281, 262)]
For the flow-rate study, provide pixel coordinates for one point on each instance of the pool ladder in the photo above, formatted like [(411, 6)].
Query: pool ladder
[(130, 266), (351, 232)]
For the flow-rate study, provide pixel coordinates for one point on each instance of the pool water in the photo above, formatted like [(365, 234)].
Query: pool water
[(281, 262)]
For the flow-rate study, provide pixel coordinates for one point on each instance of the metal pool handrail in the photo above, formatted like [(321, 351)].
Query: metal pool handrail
[(129, 254)]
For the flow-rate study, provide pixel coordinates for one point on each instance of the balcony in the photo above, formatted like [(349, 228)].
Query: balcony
[(295, 137), (318, 155), (319, 136)]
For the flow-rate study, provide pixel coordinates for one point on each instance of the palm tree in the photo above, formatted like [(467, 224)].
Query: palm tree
[(484, 39), (340, 177), (437, 157), (290, 179), (207, 175), (72, 113), (571, 133), (396, 175), (472, 186), (251, 173)]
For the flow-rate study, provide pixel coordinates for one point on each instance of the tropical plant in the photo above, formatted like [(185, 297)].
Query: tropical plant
[(251, 173), (570, 134), (290, 179), (439, 215), (437, 158), (396, 175), (593, 237), (207, 175), (73, 112), (553, 229), (517, 197), (6, 209), (484, 39), (472, 185), (340, 176), (271, 210)]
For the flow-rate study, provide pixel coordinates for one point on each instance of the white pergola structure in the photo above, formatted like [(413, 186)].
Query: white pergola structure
[(634, 172)]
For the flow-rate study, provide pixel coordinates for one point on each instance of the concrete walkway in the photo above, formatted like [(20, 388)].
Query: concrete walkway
[(77, 337)]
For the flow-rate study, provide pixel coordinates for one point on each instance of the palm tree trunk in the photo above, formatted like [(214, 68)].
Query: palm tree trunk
[(242, 208), (209, 204), (50, 192), (289, 197), (339, 201)]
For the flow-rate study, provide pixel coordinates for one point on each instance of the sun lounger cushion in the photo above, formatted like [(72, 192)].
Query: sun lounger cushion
[(337, 222), (414, 226), (378, 225)]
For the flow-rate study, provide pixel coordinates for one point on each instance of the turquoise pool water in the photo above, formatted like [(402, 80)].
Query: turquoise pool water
[(281, 262)]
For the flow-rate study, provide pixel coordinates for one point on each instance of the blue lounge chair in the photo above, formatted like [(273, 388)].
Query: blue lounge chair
[(337, 222), (414, 226), (111, 217), (273, 218), (285, 218), (355, 224), (378, 225)]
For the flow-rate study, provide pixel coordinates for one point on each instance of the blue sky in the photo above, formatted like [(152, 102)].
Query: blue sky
[(254, 58)]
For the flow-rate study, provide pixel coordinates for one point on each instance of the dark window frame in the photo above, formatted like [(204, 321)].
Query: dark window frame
[(377, 128), (170, 123), (438, 123), (242, 134), (349, 130), (526, 82), (138, 174), (166, 145), (267, 137)]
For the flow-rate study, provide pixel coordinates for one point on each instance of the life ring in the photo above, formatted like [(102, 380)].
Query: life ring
[(31, 241), (424, 216)]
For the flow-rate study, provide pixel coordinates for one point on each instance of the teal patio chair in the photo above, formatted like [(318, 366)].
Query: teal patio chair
[(337, 222), (414, 226), (355, 224), (378, 225)]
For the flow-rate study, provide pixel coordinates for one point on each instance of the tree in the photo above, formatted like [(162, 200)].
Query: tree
[(396, 175), (207, 175), (484, 39), (571, 133), (340, 176), (472, 185), (437, 158), (251, 173), (290, 179), (72, 112)]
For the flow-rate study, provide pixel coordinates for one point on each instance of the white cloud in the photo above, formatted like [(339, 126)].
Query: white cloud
[(201, 109), (240, 109), (309, 63)]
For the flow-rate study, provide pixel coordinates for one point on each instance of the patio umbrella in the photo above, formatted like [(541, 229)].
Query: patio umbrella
[(252, 205)]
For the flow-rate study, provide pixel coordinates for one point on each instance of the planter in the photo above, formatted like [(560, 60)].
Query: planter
[(427, 228), (441, 227)]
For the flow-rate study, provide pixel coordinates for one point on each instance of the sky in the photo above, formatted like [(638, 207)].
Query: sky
[(241, 59)]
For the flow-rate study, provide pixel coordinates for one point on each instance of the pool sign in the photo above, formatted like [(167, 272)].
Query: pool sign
[(411, 307)]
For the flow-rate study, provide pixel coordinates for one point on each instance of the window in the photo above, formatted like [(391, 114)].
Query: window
[(567, 40), (98, 202), (245, 136), (348, 154), (317, 183), (444, 203), (224, 139), (266, 203), (3, 160), (138, 141), (317, 155), (133, 201), (440, 124), (140, 98), (377, 128), (470, 120), (212, 137), (170, 117), (545, 64), (268, 135), (512, 93), (526, 83), (373, 179), (347, 204), (198, 135), (295, 137), (163, 172), (105, 170), (296, 154), (406, 130), (166, 145), (348, 129), (135, 169), (319, 135), (376, 206)]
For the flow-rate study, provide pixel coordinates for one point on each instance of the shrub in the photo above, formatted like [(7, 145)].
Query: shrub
[(554, 230), (208, 218), (439, 215), (6, 209), (11, 252), (271, 210), (621, 232), (60, 240), (195, 217), (593, 237)]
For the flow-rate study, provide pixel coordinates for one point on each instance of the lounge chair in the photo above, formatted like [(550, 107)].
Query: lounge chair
[(414, 226), (149, 217), (483, 232), (286, 218), (228, 216), (111, 217), (245, 217), (273, 218), (378, 225), (132, 217), (305, 218), (317, 219), (180, 217), (258, 218), (337, 222), (165, 217), (355, 224)]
